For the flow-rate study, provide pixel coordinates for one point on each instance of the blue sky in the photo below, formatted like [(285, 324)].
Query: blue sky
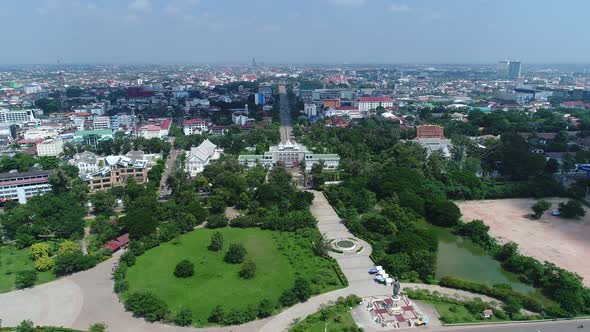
[(301, 31)]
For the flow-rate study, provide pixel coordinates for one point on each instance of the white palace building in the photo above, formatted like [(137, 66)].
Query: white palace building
[(290, 155)]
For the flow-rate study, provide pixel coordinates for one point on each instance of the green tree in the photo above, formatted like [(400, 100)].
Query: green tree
[(378, 223), (265, 308), (512, 306), (443, 213), (216, 242), (571, 209), (302, 289), (248, 270), (236, 254), (184, 317), (147, 305), (140, 222), (184, 269), (73, 262), (44, 263), (104, 202), (39, 250), (539, 208), (25, 279), (68, 247), (217, 314), (25, 326)]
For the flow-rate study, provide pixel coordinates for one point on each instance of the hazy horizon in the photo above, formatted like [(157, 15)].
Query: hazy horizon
[(336, 32)]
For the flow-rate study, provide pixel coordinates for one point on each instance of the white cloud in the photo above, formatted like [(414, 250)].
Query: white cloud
[(348, 2), (394, 7), (141, 5)]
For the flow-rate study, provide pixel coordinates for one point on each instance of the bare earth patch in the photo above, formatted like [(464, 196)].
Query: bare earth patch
[(563, 242)]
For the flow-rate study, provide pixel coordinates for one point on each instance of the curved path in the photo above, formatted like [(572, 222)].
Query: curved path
[(87, 297)]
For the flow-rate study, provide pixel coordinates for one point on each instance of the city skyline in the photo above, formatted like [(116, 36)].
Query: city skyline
[(325, 31)]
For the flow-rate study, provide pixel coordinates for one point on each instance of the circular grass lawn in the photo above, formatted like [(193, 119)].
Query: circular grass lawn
[(214, 282)]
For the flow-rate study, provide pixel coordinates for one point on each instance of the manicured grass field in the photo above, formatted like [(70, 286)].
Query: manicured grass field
[(338, 318), (13, 260), (278, 257), (317, 325), (456, 313)]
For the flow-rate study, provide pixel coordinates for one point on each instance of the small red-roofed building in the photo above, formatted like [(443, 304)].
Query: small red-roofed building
[(117, 243)]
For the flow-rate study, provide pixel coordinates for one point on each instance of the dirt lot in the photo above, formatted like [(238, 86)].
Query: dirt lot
[(561, 241)]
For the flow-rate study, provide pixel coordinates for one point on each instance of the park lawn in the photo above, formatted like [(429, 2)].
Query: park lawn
[(346, 321), (13, 260), (461, 314), (339, 319), (216, 282)]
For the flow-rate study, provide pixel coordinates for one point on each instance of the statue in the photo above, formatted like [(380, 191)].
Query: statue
[(396, 288)]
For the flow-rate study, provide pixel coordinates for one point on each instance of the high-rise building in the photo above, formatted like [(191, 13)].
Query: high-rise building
[(509, 69), (502, 69), (514, 69), (259, 98), (265, 88)]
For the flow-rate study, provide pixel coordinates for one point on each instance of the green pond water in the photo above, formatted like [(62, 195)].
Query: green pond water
[(461, 258)]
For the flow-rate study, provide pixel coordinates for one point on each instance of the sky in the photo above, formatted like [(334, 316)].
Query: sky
[(293, 31)]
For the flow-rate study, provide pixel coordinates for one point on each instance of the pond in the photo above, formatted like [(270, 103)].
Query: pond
[(461, 258)]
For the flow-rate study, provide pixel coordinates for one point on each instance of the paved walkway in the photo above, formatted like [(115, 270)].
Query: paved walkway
[(354, 267)]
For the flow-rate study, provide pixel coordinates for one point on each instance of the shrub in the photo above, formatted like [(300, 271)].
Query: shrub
[(288, 298), (39, 250), (68, 247), (121, 285), (571, 209), (302, 289), (351, 300), (128, 258), (217, 314), (236, 254), (512, 306), (25, 279), (217, 221), (25, 326), (44, 264), (184, 269), (243, 222), (184, 317), (146, 305), (73, 262), (168, 231), (216, 242), (265, 308), (98, 327), (539, 208), (248, 270)]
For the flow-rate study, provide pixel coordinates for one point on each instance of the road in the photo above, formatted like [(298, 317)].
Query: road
[(164, 190), (286, 127), (558, 326)]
